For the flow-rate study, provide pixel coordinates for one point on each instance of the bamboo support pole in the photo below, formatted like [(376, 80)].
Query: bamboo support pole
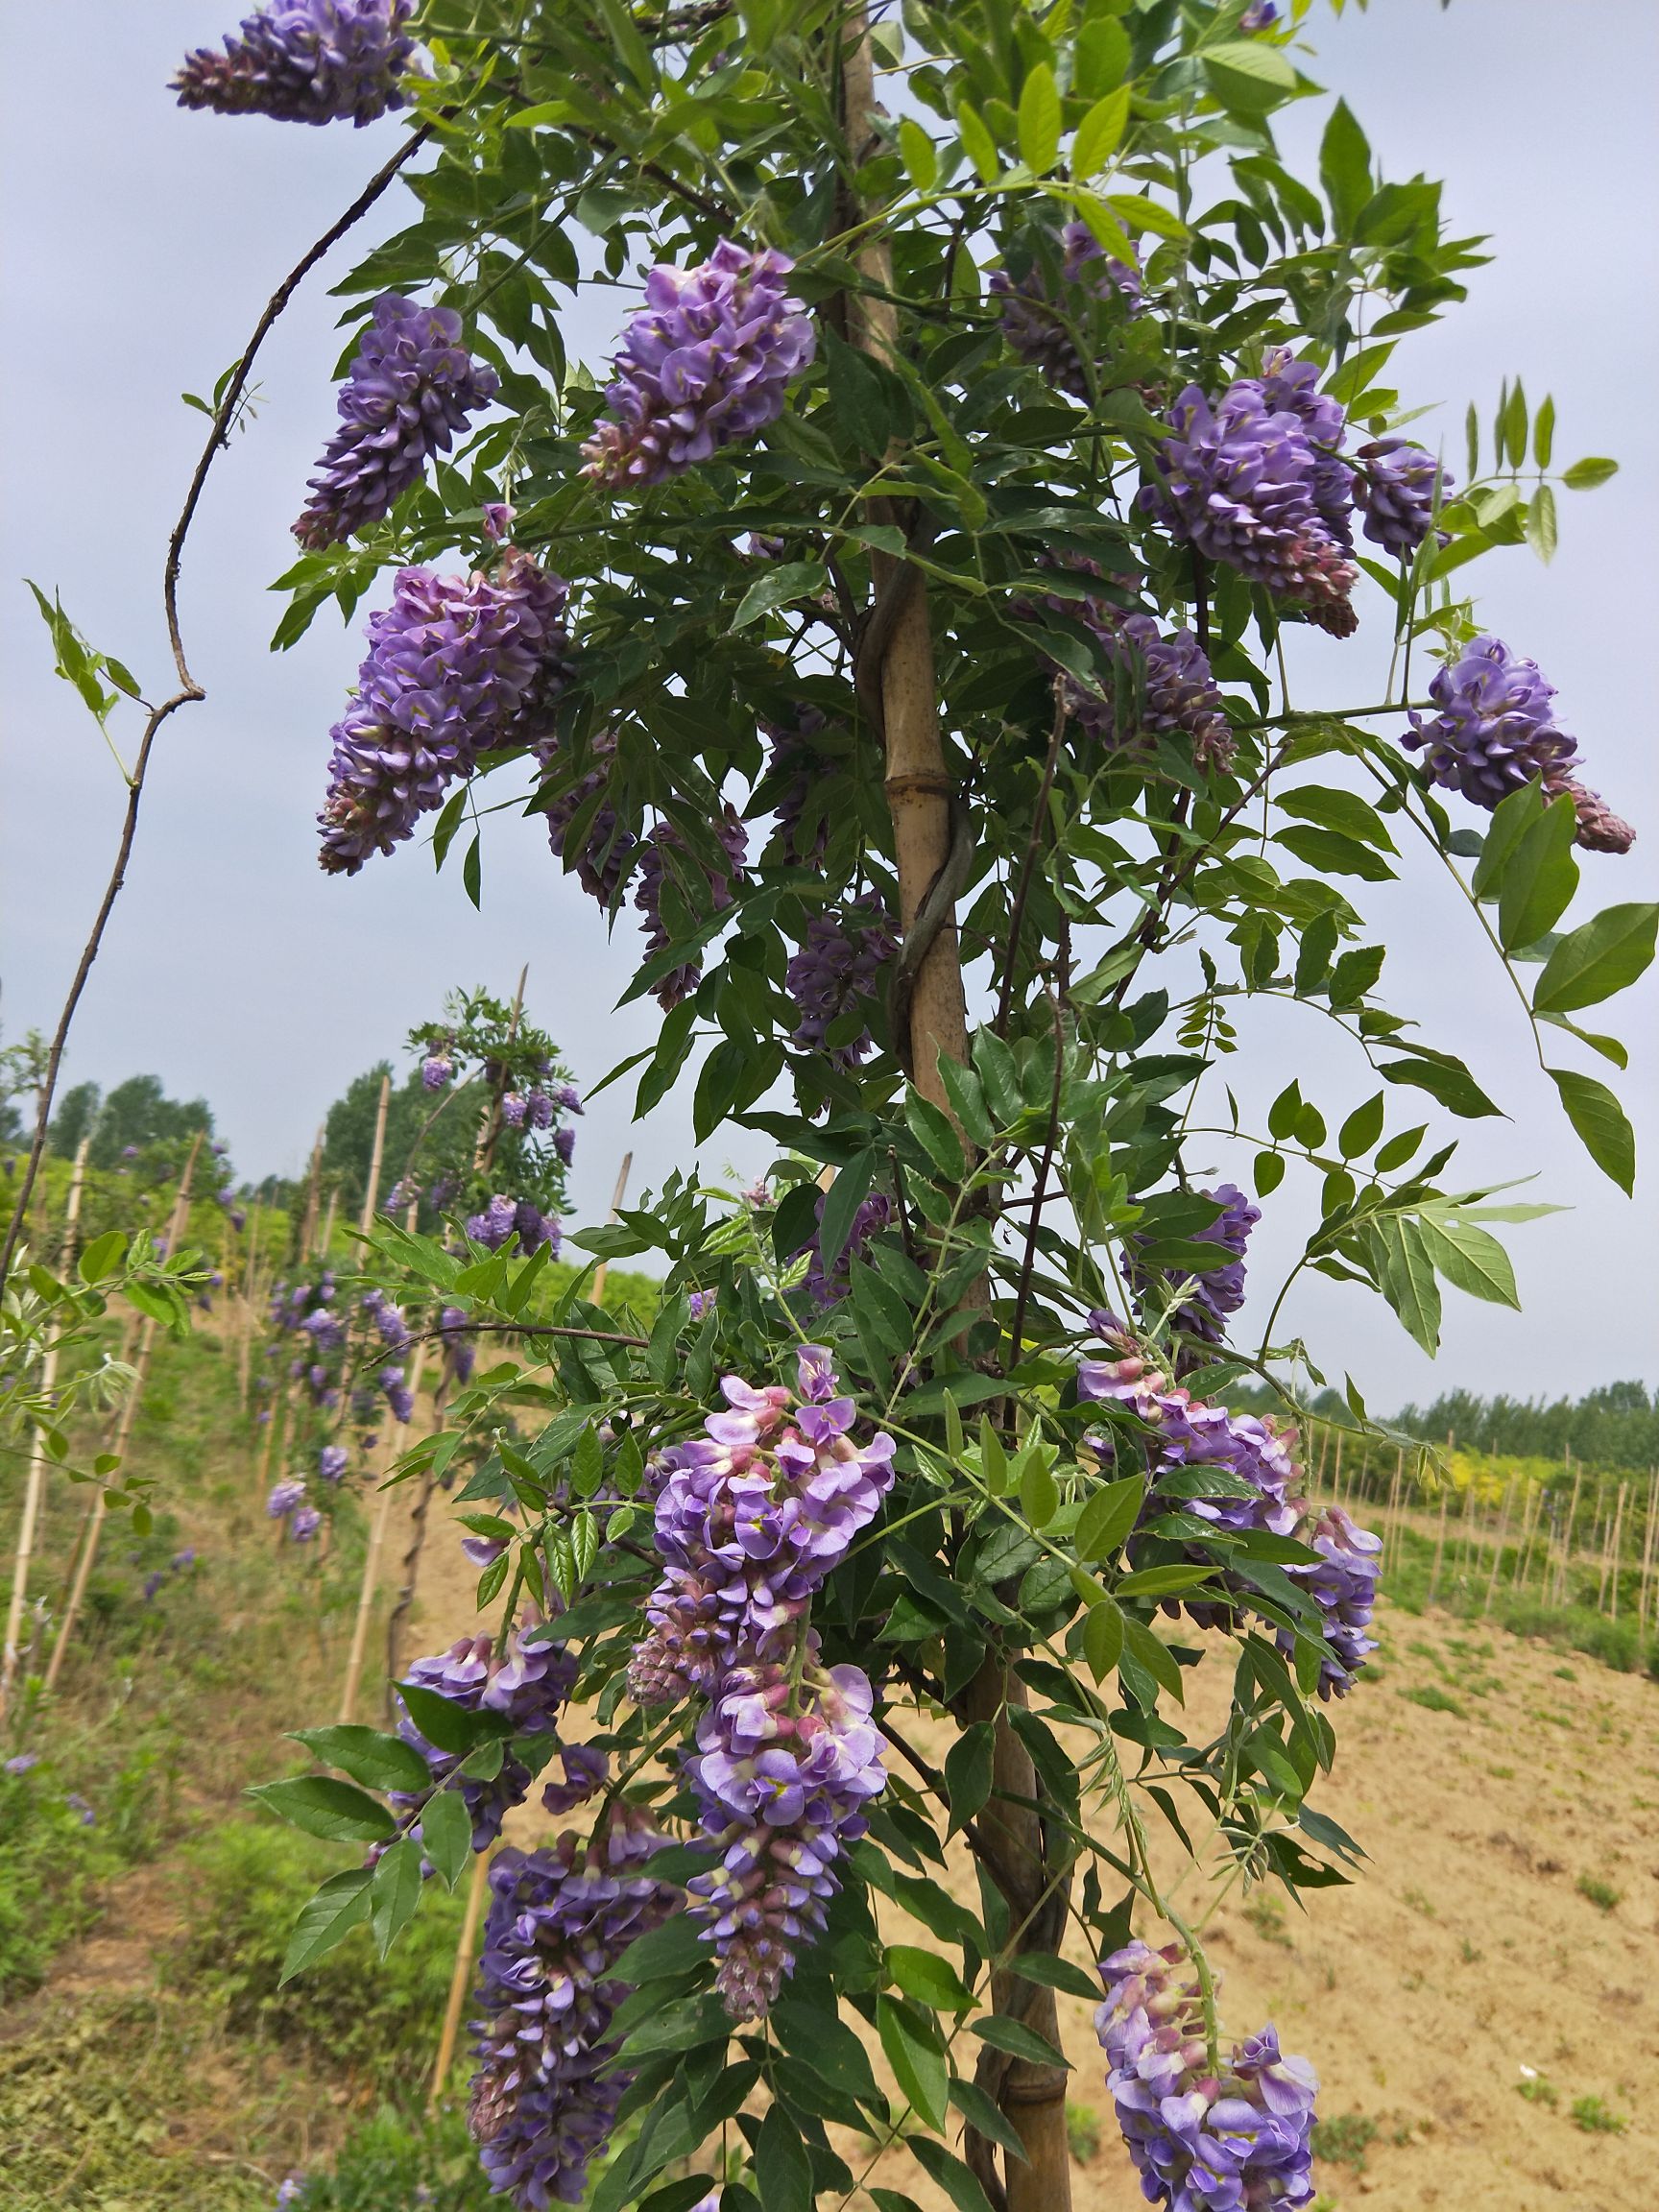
[(326, 1235), (459, 1980), (1439, 1542), (1498, 1554), (1644, 1608), (1531, 1519), (1564, 1577), (1392, 1534), (372, 1188), (34, 1482), (178, 1227), (372, 1563), (602, 1273), (314, 1185), (1614, 1547)]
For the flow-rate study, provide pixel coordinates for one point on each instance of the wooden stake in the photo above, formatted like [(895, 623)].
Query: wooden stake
[(326, 1237), (1439, 1541), (372, 1562), (372, 1188), (178, 1227), (1613, 1547), (1391, 1532), (601, 1273), (308, 1221), (459, 1980), (35, 1485), (1497, 1555), (1643, 1609), (1563, 1583)]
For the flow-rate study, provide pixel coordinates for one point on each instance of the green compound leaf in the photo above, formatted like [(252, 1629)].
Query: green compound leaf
[(1602, 1128)]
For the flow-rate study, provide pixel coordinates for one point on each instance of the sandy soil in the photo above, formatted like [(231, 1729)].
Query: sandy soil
[(1463, 1956)]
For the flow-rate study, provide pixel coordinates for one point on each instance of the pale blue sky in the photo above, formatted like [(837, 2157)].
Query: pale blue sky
[(141, 242)]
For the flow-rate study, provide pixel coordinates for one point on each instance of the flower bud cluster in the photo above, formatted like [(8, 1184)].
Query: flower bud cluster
[(1192, 1434), (546, 2094), (1205, 2136), (1495, 732), (307, 61), (411, 386), (703, 363), (1042, 327), (457, 665), (665, 854), (526, 1685), (504, 1217), (834, 974)]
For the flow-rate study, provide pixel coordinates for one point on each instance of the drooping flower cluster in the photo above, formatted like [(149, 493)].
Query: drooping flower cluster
[(832, 977), (1245, 484), (459, 1353), (527, 1686), (1219, 1292), (1398, 487), (411, 386), (601, 860), (456, 666), (1043, 328), (505, 1217), (436, 1070), (289, 1502), (665, 859), (1157, 683), (307, 61), (782, 1772), (331, 1462), (827, 1284), (750, 1518), (1193, 1434), (793, 768), (705, 362), (546, 2094), (1495, 732), (1205, 2135), (307, 1311)]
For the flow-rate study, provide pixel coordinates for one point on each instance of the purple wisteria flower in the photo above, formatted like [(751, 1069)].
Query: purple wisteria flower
[(81, 1810), (458, 1347), (545, 2095), (832, 979), (1496, 731), (457, 665), (1291, 387), (506, 1217), (827, 1284), (436, 1071), (1041, 327), (586, 1771), (665, 860), (1398, 487), (307, 61), (20, 1763), (1244, 483), (1218, 1295), (700, 1301), (782, 1772), (388, 1320), (527, 1686), (600, 860), (1205, 2135), (750, 1518), (331, 1462), (285, 1496), (411, 386), (394, 1389), (794, 768), (1155, 683), (303, 1524), (1260, 15), (705, 362), (1192, 1434)]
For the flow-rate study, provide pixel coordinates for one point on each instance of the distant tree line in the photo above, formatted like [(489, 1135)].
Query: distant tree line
[(1615, 1427), (132, 1117)]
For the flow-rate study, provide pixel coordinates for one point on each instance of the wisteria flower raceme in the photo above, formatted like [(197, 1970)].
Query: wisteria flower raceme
[(436, 1071), (793, 768), (527, 1686), (284, 1497), (1040, 327), (1291, 387), (706, 361), (331, 1461), (1398, 487), (827, 1284), (506, 1217), (1495, 732), (307, 61), (749, 1520), (600, 860), (1232, 2137), (833, 978), (411, 386), (303, 1524), (1156, 684), (666, 856), (782, 1772), (544, 2097), (1241, 480), (1218, 1293), (456, 667), (458, 1347)]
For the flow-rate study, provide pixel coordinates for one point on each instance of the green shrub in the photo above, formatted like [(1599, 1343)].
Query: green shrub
[(1344, 2139), (367, 2023), (390, 2163)]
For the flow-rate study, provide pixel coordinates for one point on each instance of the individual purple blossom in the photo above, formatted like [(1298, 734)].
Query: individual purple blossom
[(545, 2095), (457, 665), (436, 1071), (782, 1772), (1206, 2135), (1219, 1292), (527, 1686), (1398, 487), (331, 1462), (665, 857), (587, 1769), (307, 61), (1495, 732), (705, 362), (284, 1497), (832, 977), (749, 1520), (1042, 327), (303, 1524), (1237, 480), (411, 386)]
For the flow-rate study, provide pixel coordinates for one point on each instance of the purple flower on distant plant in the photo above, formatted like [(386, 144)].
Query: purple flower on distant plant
[(303, 1524), (782, 1773), (1495, 732), (1244, 482), (507, 1217), (284, 1497), (399, 1398), (411, 386), (1398, 487), (290, 2192), (512, 1110), (84, 1811), (307, 61), (564, 1144), (705, 362), (182, 1561), (664, 862), (833, 978), (545, 2095), (538, 1110), (436, 1070), (1041, 325), (458, 1347), (152, 1582), (568, 1098), (21, 1761), (388, 1320), (457, 665)]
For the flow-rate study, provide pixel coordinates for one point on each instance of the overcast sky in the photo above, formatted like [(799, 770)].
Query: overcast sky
[(140, 244)]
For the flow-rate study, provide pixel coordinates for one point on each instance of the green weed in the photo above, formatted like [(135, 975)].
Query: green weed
[(1083, 2132), (1593, 2115), (1265, 1913), (1434, 1699), (1598, 1891), (1537, 2090), (1344, 2139), (391, 2163)]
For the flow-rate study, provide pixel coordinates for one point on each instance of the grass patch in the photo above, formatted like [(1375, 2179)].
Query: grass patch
[(1265, 1913), (1538, 2091), (392, 2163), (1083, 2132), (1595, 2118), (1344, 2139), (1599, 1892), (1434, 1699)]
